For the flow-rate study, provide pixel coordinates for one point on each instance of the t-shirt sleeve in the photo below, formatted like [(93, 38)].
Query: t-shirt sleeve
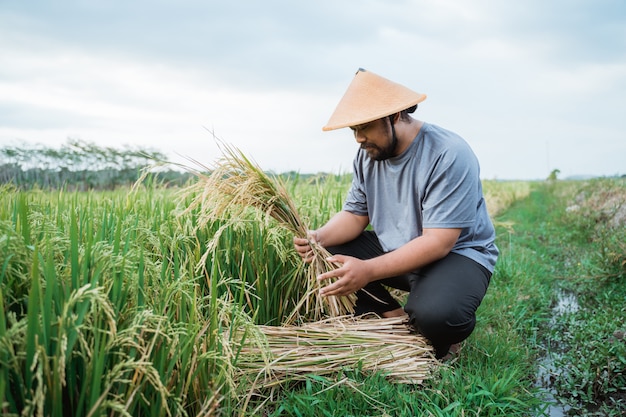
[(451, 197), (356, 200)]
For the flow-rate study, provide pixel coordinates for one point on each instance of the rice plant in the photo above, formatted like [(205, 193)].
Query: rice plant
[(233, 187), (101, 311)]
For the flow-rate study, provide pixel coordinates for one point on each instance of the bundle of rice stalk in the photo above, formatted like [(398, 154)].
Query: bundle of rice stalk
[(327, 347), (234, 186)]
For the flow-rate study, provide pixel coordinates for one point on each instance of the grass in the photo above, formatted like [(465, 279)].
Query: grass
[(569, 231), (589, 341)]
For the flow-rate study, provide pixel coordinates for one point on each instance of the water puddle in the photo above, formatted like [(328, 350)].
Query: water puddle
[(547, 369), (545, 375), (566, 303)]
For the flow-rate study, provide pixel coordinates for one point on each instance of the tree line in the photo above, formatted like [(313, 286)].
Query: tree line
[(80, 165)]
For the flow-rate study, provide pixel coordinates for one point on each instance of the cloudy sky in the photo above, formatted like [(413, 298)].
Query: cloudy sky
[(532, 85)]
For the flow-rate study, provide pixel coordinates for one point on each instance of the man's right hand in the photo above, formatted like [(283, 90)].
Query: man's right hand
[(303, 245), (341, 228)]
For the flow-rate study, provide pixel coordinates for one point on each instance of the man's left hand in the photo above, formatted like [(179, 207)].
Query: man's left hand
[(353, 274)]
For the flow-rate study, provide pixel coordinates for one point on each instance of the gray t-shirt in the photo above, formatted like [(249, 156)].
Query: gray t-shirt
[(434, 183)]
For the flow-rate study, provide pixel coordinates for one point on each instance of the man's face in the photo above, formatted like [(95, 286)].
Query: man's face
[(376, 139)]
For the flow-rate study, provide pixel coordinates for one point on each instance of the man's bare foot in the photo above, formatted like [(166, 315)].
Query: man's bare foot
[(398, 312), (453, 352)]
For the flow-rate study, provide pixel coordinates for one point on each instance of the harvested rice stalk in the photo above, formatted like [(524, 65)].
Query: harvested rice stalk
[(237, 184), (329, 346)]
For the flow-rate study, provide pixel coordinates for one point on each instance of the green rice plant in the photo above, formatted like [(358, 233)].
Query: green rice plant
[(15, 258), (236, 185), (266, 276), (260, 255), (320, 196), (102, 311)]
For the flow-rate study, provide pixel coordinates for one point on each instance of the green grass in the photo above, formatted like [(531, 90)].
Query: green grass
[(566, 228)]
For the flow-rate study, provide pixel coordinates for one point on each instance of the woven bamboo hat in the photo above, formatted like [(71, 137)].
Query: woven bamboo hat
[(371, 97)]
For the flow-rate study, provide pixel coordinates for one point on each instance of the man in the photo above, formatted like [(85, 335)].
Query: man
[(418, 187)]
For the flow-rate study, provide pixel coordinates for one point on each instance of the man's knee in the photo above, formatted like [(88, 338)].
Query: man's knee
[(441, 323)]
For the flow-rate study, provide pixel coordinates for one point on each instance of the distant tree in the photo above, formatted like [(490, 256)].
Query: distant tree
[(77, 165), (553, 175)]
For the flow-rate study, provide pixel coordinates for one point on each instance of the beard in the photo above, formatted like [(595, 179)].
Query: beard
[(378, 153)]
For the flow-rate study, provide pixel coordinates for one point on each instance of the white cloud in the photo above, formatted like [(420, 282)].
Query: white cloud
[(266, 77)]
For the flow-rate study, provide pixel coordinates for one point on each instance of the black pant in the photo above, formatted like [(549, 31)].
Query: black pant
[(443, 296)]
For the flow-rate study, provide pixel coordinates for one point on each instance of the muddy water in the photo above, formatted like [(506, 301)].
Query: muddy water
[(547, 370)]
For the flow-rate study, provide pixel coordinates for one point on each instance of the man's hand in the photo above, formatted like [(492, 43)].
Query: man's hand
[(353, 274), (303, 245)]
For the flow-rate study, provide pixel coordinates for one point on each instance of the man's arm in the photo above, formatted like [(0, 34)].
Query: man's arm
[(341, 228), (433, 245), (355, 274)]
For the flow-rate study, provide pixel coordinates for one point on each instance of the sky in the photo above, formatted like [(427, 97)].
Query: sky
[(532, 85)]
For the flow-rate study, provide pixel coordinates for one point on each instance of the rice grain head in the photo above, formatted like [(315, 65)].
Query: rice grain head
[(236, 184)]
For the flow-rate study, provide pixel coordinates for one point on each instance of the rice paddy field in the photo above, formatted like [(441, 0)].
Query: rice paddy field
[(135, 302)]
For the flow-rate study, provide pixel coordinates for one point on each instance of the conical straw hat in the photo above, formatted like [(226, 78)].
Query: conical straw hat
[(371, 97)]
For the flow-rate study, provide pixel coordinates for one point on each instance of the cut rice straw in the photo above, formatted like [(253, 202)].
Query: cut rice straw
[(327, 347), (236, 184)]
